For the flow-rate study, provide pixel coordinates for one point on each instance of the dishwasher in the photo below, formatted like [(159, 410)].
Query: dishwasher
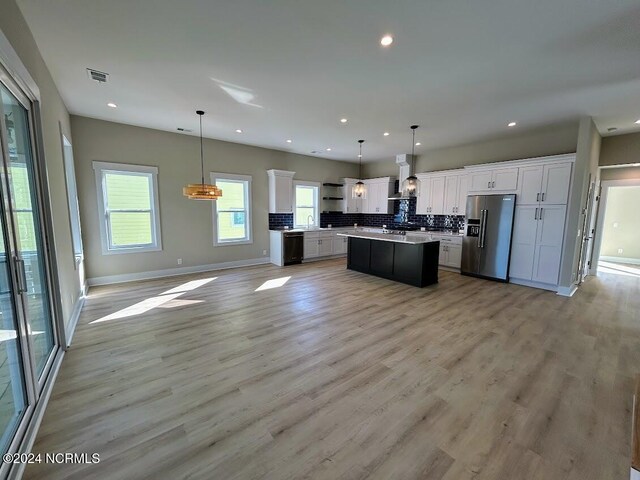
[(293, 247)]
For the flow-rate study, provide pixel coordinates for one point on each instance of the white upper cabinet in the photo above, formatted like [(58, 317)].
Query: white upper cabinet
[(545, 184), (555, 184), (377, 196), (530, 185), (442, 193), (350, 204), (498, 180), (280, 191), (430, 199)]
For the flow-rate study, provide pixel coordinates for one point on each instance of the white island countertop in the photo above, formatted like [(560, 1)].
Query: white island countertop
[(388, 237)]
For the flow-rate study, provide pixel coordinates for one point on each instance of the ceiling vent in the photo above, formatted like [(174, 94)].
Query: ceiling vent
[(97, 76), (186, 130)]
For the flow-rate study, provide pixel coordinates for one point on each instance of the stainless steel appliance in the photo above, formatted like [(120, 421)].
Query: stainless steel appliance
[(293, 247), (486, 245)]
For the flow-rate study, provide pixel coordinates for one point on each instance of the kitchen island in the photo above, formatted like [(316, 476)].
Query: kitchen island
[(410, 258)]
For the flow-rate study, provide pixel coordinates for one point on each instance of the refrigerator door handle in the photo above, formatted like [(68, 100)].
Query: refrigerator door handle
[(483, 226)]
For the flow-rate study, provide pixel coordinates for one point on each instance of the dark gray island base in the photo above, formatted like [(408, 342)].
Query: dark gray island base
[(403, 261)]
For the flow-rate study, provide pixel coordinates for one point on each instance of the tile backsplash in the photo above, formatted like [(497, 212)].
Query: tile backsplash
[(404, 211), (278, 221)]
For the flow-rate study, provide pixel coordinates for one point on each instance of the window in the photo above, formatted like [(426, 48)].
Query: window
[(306, 201), (128, 204), (232, 211)]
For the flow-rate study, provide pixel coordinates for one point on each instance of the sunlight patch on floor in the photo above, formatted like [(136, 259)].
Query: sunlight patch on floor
[(273, 283), (165, 300), (618, 269)]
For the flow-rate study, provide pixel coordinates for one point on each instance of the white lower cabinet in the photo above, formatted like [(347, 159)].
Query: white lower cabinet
[(536, 246), (340, 245), (450, 251), (323, 243)]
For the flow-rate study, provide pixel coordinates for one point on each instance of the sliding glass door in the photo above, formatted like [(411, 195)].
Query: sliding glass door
[(28, 339), (32, 283)]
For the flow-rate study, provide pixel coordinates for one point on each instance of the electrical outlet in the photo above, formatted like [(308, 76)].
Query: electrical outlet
[(179, 261), (264, 252), (619, 250)]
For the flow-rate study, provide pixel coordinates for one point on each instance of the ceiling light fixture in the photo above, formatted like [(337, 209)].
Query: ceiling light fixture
[(411, 185), (386, 40), (359, 189), (328, 149), (343, 120), (386, 134), (112, 105), (201, 191), (511, 124), (418, 144), (289, 141), (238, 130), (638, 121)]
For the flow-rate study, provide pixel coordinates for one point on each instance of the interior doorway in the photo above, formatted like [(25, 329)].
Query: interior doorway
[(617, 246)]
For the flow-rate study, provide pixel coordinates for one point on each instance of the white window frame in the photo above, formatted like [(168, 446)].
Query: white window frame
[(215, 176), (72, 200), (102, 167), (316, 207)]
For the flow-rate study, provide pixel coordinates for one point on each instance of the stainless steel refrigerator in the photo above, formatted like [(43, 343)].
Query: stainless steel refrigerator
[(486, 245)]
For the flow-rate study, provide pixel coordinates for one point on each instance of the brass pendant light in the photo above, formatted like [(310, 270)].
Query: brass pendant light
[(201, 191), (411, 184), (359, 190)]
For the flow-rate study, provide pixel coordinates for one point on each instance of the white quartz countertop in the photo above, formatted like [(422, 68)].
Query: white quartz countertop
[(388, 237)]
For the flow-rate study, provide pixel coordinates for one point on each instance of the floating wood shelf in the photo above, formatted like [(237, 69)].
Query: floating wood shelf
[(332, 198), (332, 185)]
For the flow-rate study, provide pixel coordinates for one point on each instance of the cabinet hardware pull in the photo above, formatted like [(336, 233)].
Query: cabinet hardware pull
[(493, 184), (488, 184), (536, 215), (541, 210), (543, 196), (538, 197)]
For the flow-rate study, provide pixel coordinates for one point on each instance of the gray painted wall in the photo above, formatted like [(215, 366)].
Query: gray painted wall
[(550, 140), (187, 225), (620, 149)]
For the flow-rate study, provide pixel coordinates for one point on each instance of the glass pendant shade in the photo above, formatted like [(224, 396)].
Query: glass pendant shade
[(411, 186), (359, 190), (201, 191)]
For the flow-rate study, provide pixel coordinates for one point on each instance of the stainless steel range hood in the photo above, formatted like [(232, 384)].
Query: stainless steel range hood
[(403, 161)]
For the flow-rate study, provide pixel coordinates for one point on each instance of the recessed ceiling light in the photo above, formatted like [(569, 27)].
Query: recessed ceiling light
[(511, 124), (343, 120), (418, 144), (328, 149), (386, 134), (359, 156), (638, 121), (386, 40), (238, 130), (289, 141), (112, 105)]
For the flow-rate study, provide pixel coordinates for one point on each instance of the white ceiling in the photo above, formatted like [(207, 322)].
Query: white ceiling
[(460, 69)]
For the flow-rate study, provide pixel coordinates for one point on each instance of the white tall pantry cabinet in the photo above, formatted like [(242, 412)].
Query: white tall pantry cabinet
[(539, 223)]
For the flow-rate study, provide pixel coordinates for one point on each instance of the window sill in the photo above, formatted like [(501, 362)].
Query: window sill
[(120, 251), (232, 242)]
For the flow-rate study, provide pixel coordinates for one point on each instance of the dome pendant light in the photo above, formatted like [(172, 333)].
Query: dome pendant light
[(201, 191), (411, 184), (359, 189)]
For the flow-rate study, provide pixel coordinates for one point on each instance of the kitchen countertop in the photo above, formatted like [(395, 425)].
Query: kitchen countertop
[(388, 237), (362, 228)]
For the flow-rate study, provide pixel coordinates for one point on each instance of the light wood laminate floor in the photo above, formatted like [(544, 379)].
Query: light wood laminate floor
[(340, 375)]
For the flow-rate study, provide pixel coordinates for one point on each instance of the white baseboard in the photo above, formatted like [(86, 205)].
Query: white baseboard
[(172, 272), (75, 315), (568, 291), (529, 283), (631, 261)]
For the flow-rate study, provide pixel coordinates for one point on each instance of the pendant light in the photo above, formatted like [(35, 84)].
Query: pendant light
[(359, 190), (201, 191), (411, 184)]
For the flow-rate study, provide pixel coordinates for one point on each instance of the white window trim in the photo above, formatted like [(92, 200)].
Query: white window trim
[(248, 202), (316, 215), (99, 168)]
